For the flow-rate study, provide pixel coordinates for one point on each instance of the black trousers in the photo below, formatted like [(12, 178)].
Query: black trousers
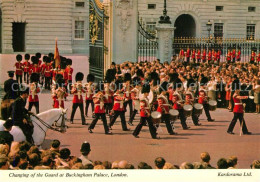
[(232, 101), (74, 108), (26, 77), (36, 104), (152, 128), (19, 78), (166, 119), (206, 109), (108, 107), (195, 117), (239, 116), (132, 116), (103, 118), (130, 103), (48, 83), (27, 131), (122, 117), (87, 104), (182, 118)]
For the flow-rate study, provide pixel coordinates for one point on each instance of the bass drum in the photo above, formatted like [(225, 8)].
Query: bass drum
[(198, 109), (212, 105), (173, 114), (187, 110), (156, 117)]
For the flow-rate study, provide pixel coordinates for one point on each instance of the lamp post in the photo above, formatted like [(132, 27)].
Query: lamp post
[(165, 18), (209, 25)]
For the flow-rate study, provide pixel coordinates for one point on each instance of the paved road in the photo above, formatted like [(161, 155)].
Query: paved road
[(186, 146)]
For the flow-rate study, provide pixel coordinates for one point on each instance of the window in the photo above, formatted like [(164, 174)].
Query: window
[(218, 30), (251, 9), (219, 8), (250, 32), (80, 4), (151, 6), (19, 37), (79, 30), (150, 27)]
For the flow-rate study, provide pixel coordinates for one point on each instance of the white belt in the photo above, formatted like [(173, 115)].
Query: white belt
[(237, 104), (120, 102)]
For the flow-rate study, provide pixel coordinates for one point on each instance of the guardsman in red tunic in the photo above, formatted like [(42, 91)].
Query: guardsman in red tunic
[(181, 54), (47, 73), (108, 90), (228, 56), (218, 55), (203, 99), (178, 102), (135, 96), (198, 56), (77, 101), (59, 94), (204, 55), (90, 91), (233, 55), (145, 113), (209, 56), (258, 58), (239, 55), (127, 92), (35, 68), (190, 99), (26, 68), (100, 113), (188, 53), (164, 107), (63, 73), (118, 107), (69, 71), (34, 90), (193, 55), (252, 58), (19, 68), (39, 55), (238, 112)]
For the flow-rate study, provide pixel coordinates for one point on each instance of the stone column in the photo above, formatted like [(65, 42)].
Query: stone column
[(125, 30), (165, 34)]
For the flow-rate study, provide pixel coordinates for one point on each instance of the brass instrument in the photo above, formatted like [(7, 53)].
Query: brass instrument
[(78, 87), (33, 90)]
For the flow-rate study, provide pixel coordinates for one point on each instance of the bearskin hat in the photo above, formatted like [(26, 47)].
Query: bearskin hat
[(44, 59), (163, 86), (27, 56), (100, 86), (204, 81), (38, 55), (139, 73), (34, 77), (69, 62), (90, 78), (35, 60), (60, 82), (19, 57), (79, 76), (48, 60), (63, 65), (191, 82), (154, 76), (110, 75), (51, 56), (119, 84), (173, 77), (127, 77), (146, 88), (177, 83), (136, 81)]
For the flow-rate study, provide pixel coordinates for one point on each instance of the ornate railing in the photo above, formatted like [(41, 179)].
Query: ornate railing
[(147, 44)]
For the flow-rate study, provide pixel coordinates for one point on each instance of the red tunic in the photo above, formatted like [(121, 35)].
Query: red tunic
[(127, 92), (188, 98), (77, 98), (109, 96), (69, 72), (34, 98), (182, 52), (204, 55), (193, 54), (26, 67), (59, 103), (89, 92), (210, 56), (163, 105), (176, 99), (118, 103), (43, 66), (144, 108), (19, 68), (188, 53), (234, 53), (202, 97), (35, 69), (198, 54), (228, 56), (47, 71), (99, 106), (238, 105)]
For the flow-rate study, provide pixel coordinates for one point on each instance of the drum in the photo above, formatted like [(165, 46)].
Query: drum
[(150, 97), (173, 114), (212, 105), (187, 110), (156, 117), (251, 97), (198, 109)]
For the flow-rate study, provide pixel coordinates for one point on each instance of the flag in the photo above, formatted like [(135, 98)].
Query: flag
[(56, 54)]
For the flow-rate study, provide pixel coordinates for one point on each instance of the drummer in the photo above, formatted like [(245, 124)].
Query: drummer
[(145, 113), (178, 102), (189, 99), (163, 107), (203, 99), (135, 94)]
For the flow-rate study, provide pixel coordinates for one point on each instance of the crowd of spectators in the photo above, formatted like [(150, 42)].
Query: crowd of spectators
[(23, 155)]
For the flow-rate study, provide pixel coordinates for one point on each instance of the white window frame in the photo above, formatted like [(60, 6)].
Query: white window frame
[(84, 30), (254, 34)]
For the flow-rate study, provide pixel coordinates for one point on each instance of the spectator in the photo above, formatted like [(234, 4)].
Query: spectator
[(3, 162), (34, 160), (55, 146), (168, 165), (222, 163), (95, 163), (232, 162), (205, 158), (77, 165), (85, 150), (198, 165), (115, 165), (142, 165), (255, 164), (129, 166), (99, 167), (186, 165), (107, 164), (5, 135), (122, 164), (4, 149), (64, 158), (88, 166), (159, 162)]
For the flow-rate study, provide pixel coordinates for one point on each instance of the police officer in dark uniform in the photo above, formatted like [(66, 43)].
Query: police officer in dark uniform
[(11, 88), (21, 116)]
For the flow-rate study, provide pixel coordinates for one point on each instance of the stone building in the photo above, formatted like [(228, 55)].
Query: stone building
[(33, 25)]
